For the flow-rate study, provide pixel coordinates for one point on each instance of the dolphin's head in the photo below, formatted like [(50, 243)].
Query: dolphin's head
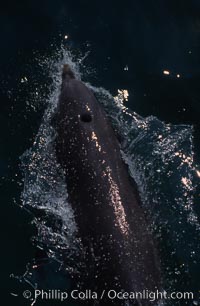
[(80, 119), (77, 102), (67, 73)]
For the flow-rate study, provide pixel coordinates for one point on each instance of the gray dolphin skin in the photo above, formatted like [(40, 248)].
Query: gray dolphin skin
[(120, 253)]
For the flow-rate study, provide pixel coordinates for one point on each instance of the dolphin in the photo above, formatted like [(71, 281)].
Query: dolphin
[(120, 252)]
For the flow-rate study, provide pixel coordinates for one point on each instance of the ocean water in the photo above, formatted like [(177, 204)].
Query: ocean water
[(127, 46), (160, 158)]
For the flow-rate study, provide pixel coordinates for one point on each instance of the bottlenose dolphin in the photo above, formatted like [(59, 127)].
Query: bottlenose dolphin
[(120, 251)]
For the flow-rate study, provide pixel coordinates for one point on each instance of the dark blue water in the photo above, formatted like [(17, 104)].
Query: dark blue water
[(146, 38)]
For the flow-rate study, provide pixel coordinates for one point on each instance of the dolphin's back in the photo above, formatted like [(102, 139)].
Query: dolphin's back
[(120, 251)]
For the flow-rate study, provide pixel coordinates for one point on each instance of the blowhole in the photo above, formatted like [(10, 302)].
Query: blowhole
[(86, 117)]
